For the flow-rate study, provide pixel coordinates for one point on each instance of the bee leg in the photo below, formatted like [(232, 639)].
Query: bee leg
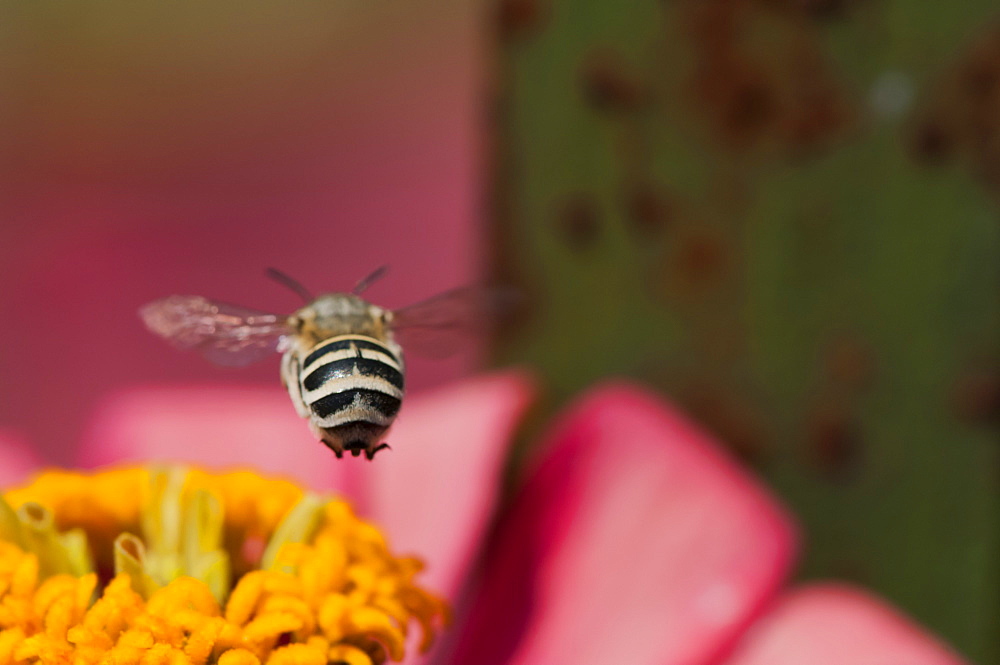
[(338, 453), (370, 454)]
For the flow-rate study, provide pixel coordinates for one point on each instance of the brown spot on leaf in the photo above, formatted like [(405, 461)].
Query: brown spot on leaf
[(826, 9), (761, 78), (819, 115), (976, 397), (518, 18), (816, 9), (958, 114), (703, 258), (648, 209), (979, 78), (931, 143), (737, 100), (835, 443), (850, 362), (750, 107), (830, 9), (578, 222), (609, 84)]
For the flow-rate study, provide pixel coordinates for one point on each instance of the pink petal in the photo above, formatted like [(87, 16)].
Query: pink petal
[(17, 459), (436, 490), (829, 624), (217, 427), (637, 541)]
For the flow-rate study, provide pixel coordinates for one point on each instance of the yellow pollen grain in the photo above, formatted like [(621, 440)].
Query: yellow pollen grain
[(339, 597), (297, 654), (238, 657), (348, 654)]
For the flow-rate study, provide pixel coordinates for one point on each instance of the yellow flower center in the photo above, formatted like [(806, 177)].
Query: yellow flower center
[(171, 566)]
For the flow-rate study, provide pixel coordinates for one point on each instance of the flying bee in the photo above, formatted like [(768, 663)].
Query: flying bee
[(342, 362)]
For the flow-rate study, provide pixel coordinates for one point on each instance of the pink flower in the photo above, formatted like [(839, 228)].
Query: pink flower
[(634, 538)]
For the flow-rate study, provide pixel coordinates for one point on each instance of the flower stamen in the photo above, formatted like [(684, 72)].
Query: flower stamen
[(194, 588)]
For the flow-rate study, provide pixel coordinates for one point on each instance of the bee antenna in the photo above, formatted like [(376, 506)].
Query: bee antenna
[(375, 276), (293, 284)]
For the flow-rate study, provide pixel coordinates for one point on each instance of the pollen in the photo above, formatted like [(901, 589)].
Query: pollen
[(169, 566)]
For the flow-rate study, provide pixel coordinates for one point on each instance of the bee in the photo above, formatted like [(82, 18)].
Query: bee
[(342, 362)]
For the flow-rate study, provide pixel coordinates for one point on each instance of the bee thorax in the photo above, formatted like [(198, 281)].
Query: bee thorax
[(336, 314)]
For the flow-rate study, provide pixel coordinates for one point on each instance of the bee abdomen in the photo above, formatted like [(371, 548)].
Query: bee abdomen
[(349, 367), (352, 379), (359, 404)]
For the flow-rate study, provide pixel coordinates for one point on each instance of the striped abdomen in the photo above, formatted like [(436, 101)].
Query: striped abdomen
[(351, 379)]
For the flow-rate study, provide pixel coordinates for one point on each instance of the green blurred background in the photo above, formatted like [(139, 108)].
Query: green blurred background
[(784, 214)]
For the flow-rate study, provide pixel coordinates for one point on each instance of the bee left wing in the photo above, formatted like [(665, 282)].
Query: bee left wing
[(438, 326), (225, 334)]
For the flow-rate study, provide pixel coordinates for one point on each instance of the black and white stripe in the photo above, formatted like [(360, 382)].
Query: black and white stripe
[(352, 378)]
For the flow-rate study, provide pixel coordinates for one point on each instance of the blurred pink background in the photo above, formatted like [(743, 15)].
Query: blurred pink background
[(149, 151)]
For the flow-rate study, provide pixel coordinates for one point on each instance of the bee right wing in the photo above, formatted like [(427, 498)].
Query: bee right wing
[(439, 326), (225, 334)]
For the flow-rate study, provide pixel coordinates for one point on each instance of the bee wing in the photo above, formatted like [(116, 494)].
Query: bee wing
[(439, 325), (225, 334)]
